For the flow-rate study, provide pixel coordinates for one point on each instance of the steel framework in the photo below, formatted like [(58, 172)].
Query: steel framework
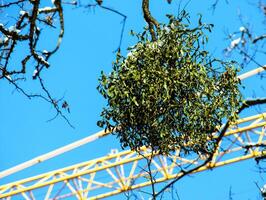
[(124, 171)]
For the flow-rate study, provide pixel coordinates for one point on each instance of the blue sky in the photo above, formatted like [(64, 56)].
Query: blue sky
[(88, 47)]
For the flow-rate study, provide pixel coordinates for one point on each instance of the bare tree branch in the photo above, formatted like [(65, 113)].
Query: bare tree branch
[(11, 3), (149, 19), (26, 29), (262, 37)]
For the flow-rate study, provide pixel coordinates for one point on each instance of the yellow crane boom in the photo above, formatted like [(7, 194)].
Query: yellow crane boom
[(123, 171)]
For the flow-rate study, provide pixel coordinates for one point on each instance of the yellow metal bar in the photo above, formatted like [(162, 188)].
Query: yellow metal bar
[(89, 184), (247, 128), (49, 192), (251, 118)]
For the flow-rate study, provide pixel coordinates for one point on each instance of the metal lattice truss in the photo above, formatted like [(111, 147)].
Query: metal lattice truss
[(124, 171)]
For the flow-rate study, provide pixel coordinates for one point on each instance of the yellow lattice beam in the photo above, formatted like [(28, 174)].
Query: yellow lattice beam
[(123, 171)]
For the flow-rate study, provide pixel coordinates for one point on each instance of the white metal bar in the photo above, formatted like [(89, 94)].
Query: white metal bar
[(252, 72), (52, 154)]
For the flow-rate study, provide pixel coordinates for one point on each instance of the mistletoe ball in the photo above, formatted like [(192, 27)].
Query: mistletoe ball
[(170, 93)]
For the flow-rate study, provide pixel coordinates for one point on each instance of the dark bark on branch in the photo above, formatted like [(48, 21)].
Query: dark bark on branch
[(262, 37), (149, 19), (250, 103), (11, 3)]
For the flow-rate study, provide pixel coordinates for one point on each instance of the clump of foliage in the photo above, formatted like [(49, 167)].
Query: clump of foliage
[(169, 93)]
